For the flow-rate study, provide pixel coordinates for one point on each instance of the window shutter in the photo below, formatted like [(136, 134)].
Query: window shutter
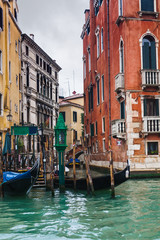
[(153, 55), (146, 56), (92, 129), (147, 5), (157, 107), (1, 18), (123, 110), (145, 107)]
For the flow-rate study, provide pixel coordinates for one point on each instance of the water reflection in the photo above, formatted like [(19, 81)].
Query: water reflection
[(134, 214)]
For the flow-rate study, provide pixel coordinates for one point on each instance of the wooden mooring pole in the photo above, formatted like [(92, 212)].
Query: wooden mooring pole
[(111, 171), (74, 166), (88, 176), (1, 173)]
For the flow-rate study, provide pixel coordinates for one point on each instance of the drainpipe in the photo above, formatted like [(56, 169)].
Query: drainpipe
[(109, 80)]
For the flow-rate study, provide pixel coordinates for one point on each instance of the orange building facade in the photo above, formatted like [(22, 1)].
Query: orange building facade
[(121, 62)]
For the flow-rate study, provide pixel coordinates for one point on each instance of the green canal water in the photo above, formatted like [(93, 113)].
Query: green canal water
[(133, 214)]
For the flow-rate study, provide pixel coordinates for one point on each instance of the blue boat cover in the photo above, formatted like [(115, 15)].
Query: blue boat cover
[(7, 176)]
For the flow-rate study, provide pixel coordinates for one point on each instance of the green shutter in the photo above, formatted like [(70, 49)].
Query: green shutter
[(157, 107), (145, 107), (146, 56), (147, 5), (153, 55), (92, 130)]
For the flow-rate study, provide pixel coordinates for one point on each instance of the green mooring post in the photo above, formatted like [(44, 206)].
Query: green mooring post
[(60, 145)]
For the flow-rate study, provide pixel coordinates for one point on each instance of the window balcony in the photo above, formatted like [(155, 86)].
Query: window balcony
[(151, 124), (45, 99), (119, 129), (150, 78), (119, 82)]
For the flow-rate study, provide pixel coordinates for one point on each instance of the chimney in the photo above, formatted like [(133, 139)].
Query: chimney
[(32, 36)]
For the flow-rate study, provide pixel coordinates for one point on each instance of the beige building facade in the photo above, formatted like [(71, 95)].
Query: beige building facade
[(72, 108)]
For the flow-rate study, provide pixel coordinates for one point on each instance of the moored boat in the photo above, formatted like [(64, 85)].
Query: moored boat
[(20, 183)]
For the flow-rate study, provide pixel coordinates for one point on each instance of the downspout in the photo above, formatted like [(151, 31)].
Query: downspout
[(109, 83)]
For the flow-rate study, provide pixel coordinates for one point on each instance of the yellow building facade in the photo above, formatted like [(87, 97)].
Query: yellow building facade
[(10, 65), (72, 107)]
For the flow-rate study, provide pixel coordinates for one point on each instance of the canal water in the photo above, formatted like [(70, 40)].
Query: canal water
[(133, 214)]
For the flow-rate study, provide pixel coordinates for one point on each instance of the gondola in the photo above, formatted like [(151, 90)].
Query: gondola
[(20, 183), (99, 182)]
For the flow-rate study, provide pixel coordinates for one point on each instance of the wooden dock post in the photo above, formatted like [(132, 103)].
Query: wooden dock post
[(111, 171), (88, 176), (74, 166)]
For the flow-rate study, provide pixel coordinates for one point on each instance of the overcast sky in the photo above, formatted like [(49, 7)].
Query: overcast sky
[(57, 26)]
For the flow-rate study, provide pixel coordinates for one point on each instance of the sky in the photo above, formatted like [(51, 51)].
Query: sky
[(57, 26)]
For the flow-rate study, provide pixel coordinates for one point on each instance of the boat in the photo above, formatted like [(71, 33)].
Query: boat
[(20, 183), (99, 182), (70, 162)]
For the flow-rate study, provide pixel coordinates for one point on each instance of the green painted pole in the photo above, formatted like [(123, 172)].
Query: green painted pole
[(61, 172)]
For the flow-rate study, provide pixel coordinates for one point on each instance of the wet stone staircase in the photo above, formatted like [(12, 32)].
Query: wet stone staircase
[(40, 183)]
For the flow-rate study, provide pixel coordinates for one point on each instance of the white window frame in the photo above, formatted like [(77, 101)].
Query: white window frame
[(120, 10), (98, 42), (104, 144), (89, 59), (155, 5), (103, 124), (102, 87), (0, 61), (156, 44), (102, 40), (120, 55)]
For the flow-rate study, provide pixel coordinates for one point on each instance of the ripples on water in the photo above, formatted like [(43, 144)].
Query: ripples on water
[(134, 214)]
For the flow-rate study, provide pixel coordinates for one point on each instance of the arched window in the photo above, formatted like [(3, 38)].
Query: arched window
[(149, 52), (121, 55)]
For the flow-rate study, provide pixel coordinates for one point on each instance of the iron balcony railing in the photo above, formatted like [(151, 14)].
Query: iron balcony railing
[(150, 78), (151, 124), (119, 128), (119, 82)]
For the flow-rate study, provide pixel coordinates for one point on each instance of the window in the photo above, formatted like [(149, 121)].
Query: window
[(96, 10), (96, 146), (74, 116), (40, 62), (89, 59), (56, 95), (27, 51), (96, 128), (20, 82), (1, 19), (120, 8), (37, 82), (152, 148), (98, 98), (37, 59), (151, 107), (15, 13), (88, 29), (19, 48), (122, 110), (44, 65), (27, 76), (74, 135), (93, 148), (0, 61), (97, 45), (9, 33), (147, 5), (103, 125), (90, 98), (56, 75), (9, 72), (104, 144), (84, 68), (92, 129), (51, 91), (103, 88), (149, 52), (121, 55), (102, 46), (28, 114), (1, 105)]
